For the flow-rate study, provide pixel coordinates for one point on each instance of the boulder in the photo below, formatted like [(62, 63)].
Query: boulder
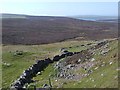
[(76, 52), (56, 58), (89, 44), (82, 45), (69, 53), (46, 86), (47, 61), (70, 66), (104, 52), (89, 71), (17, 84), (110, 63), (62, 56), (92, 59), (102, 74), (63, 50), (18, 53), (23, 81), (96, 68), (78, 61), (39, 73)]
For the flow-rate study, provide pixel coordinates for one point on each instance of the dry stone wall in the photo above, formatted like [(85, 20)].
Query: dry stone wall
[(40, 65)]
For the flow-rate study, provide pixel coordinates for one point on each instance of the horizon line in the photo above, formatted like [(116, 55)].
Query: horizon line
[(56, 15)]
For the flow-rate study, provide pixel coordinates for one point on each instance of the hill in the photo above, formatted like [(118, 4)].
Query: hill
[(25, 29), (91, 68)]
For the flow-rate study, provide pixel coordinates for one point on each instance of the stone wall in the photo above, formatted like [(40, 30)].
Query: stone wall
[(40, 65), (32, 71)]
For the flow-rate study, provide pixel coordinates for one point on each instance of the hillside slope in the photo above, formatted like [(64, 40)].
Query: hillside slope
[(98, 71), (101, 69), (46, 29)]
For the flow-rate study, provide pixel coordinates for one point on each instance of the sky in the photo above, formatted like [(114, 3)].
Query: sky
[(60, 8)]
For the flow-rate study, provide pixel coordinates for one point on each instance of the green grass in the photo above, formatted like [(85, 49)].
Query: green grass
[(0, 66), (34, 52), (31, 53), (17, 65), (49, 72)]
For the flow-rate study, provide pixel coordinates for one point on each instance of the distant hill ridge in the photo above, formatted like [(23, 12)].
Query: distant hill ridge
[(4, 15), (12, 16)]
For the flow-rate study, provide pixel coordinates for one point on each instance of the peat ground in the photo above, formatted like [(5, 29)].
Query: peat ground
[(46, 29)]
